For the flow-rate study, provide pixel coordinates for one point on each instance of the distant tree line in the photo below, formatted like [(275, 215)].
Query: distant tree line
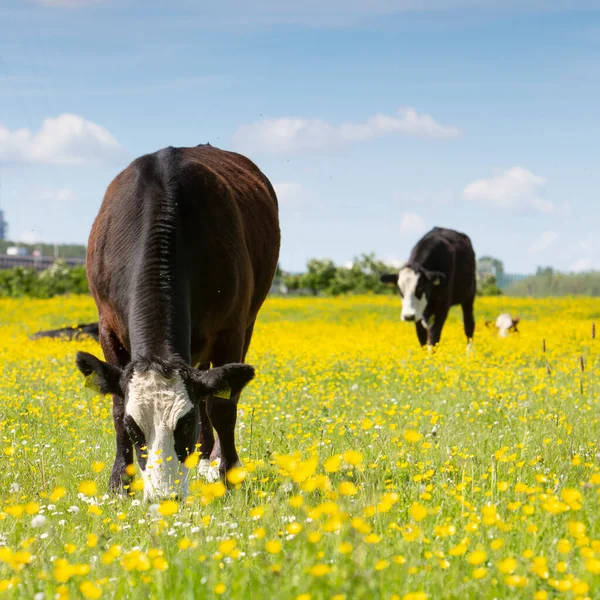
[(362, 276), (322, 276), (62, 250), (548, 282), (490, 271), (56, 280)]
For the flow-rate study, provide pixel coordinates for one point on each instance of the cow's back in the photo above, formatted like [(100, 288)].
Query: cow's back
[(464, 284), (450, 252), (186, 239), (238, 217)]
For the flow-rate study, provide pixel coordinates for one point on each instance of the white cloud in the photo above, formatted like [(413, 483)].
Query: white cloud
[(66, 139), (411, 223), (582, 265), (513, 188), (543, 242), (293, 134), (290, 192)]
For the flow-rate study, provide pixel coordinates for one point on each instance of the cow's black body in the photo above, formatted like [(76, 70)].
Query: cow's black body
[(446, 261)]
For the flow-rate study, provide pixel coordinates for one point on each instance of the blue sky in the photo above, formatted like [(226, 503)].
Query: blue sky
[(374, 120)]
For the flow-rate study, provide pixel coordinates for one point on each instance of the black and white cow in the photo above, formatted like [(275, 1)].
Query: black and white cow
[(440, 273), (505, 323), (180, 259)]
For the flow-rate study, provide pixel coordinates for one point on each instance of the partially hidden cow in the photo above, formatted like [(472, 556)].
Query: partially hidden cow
[(180, 259), (440, 273), (505, 323), (69, 333)]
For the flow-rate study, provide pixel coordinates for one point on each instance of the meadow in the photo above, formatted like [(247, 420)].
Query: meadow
[(372, 468)]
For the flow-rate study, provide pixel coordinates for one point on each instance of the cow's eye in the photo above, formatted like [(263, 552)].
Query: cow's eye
[(135, 433)]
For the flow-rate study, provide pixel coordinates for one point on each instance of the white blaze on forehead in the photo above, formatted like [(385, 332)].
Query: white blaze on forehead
[(411, 305), (156, 403)]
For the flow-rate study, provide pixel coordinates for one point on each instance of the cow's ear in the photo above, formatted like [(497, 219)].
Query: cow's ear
[(390, 278), (99, 376), (223, 382)]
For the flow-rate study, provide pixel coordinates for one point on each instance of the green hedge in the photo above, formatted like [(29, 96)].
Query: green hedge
[(56, 280), (547, 282), (324, 277)]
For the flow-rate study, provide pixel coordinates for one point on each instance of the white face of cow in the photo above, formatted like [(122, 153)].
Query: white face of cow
[(157, 404), (414, 301), (504, 322), (162, 413)]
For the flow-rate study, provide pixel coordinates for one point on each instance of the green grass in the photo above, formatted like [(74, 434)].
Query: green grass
[(497, 446)]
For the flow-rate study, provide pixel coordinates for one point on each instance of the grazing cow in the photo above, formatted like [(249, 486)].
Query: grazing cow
[(504, 324), (69, 333), (440, 273), (180, 259)]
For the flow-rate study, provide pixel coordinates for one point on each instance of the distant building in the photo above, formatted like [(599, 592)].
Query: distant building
[(3, 226), (16, 251)]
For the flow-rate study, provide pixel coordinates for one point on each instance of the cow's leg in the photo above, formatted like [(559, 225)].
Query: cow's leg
[(116, 355), (206, 439), (468, 319), (223, 412), (421, 333), (435, 331), (206, 436)]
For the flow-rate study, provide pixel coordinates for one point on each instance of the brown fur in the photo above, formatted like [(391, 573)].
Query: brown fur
[(180, 259)]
